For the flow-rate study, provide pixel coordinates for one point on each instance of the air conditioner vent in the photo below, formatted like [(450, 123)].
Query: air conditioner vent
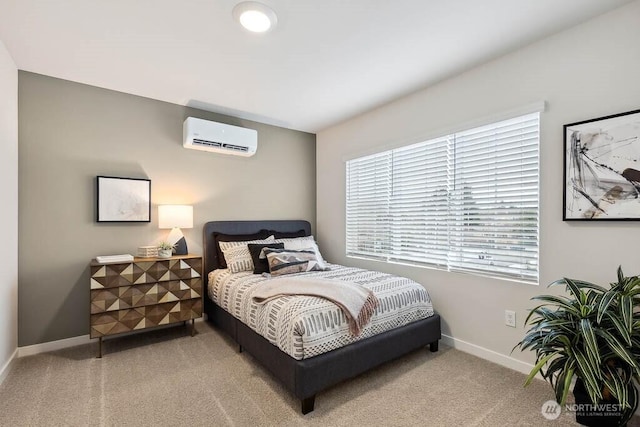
[(206, 143), (236, 147)]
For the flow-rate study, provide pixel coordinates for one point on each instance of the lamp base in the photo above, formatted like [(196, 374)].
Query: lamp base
[(181, 247), (176, 238)]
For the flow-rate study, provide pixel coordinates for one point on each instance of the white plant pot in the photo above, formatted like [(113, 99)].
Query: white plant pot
[(164, 253)]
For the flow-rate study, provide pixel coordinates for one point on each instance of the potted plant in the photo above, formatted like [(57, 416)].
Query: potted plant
[(593, 335), (165, 250)]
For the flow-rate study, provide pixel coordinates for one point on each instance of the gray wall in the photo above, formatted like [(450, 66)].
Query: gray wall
[(70, 132), (584, 72), (9, 211)]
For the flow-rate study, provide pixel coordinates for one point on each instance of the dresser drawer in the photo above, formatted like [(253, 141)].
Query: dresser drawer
[(132, 319), (118, 298), (144, 271)]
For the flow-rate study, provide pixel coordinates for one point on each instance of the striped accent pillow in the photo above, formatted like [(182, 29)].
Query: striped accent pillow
[(237, 254), (285, 261), (306, 243)]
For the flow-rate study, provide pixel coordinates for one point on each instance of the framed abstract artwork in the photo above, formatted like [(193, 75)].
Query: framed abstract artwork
[(602, 168), (123, 199)]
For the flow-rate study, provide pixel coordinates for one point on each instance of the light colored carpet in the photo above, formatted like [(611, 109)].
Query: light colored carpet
[(166, 377)]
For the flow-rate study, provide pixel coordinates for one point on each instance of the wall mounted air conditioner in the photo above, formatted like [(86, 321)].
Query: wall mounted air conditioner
[(220, 138)]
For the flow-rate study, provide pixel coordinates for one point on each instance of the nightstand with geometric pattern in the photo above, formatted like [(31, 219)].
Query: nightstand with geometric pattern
[(144, 293)]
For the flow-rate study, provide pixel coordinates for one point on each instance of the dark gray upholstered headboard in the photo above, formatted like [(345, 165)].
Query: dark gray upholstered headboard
[(210, 254)]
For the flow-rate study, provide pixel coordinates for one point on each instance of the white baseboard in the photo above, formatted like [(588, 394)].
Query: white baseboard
[(4, 371), (44, 347), (490, 355)]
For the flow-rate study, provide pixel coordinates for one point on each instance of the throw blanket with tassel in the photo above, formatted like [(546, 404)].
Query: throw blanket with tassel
[(356, 302)]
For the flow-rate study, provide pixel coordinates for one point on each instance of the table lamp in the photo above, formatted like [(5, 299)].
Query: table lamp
[(176, 217)]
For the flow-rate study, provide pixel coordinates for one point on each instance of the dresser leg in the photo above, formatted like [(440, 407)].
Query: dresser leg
[(100, 348), (193, 327)]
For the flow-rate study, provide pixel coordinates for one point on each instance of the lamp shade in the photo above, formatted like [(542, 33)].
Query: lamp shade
[(175, 216)]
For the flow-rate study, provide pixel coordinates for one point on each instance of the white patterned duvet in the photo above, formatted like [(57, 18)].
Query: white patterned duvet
[(306, 326)]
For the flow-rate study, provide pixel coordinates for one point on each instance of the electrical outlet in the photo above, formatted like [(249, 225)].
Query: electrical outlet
[(510, 318)]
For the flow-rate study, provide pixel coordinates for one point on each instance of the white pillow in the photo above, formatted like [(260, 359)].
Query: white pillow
[(237, 254), (302, 243)]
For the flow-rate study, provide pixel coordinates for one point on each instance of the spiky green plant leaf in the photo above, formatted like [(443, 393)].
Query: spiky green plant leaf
[(616, 386), (617, 347), (537, 368), (588, 285), (620, 328), (620, 274), (588, 376), (626, 312), (605, 302), (590, 344)]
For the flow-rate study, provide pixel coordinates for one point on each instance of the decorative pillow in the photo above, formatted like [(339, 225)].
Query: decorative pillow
[(220, 237), (260, 263), (305, 243), (288, 234), (237, 254), (285, 261)]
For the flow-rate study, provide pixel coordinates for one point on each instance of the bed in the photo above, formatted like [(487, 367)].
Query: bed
[(305, 377)]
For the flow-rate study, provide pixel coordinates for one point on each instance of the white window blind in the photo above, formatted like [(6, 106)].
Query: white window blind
[(368, 195), (464, 202)]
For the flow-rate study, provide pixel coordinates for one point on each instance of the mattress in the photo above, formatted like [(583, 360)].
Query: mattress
[(306, 326)]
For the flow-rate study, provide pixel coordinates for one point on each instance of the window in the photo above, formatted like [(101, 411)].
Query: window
[(463, 202)]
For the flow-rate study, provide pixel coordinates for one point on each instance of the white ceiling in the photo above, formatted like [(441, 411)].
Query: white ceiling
[(326, 61)]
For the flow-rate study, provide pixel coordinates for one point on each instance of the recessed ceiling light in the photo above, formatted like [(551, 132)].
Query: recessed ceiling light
[(255, 17)]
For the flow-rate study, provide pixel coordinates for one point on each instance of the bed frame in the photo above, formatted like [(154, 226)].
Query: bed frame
[(304, 378)]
